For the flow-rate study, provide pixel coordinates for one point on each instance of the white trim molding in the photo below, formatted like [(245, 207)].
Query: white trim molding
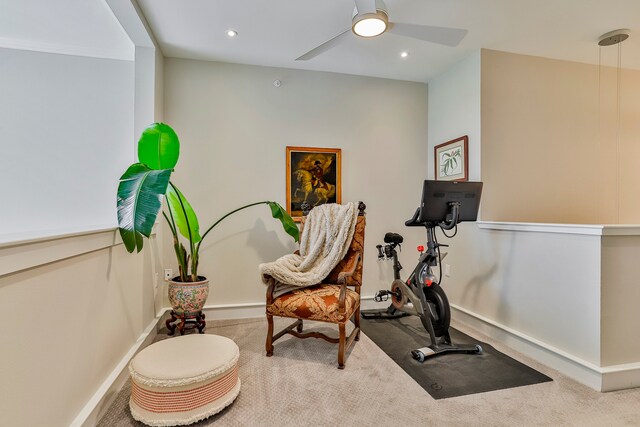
[(19, 255), (97, 406), (585, 229), (599, 378), (99, 403), (60, 49), (22, 255), (234, 311)]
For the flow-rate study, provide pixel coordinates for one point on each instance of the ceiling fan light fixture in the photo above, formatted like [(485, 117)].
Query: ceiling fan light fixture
[(370, 24)]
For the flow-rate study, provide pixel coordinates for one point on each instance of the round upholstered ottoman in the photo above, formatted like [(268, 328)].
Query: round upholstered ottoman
[(185, 379)]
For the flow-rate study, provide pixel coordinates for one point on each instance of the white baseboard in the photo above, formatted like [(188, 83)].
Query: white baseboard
[(95, 408), (98, 404), (610, 378), (234, 311), (620, 377)]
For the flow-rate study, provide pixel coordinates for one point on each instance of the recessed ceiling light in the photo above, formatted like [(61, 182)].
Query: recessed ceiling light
[(232, 33), (404, 54)]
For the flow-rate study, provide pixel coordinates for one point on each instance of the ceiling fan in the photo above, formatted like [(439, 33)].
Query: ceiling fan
[(370, 19)]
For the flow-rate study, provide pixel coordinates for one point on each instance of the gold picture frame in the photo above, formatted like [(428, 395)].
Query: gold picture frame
[(314, 176)]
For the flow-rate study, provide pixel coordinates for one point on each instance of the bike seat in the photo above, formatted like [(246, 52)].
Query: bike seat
[(393, 238), (413, 222)]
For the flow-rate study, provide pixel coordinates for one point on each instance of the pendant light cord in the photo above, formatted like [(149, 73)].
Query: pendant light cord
[(618, 85), (599, 111)]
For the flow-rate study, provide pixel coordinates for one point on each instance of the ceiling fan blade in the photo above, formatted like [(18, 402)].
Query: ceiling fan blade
[(324, 46), (366, 6), (441, 35)]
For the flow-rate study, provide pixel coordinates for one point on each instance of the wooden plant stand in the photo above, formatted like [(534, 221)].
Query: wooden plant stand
[(186, 322)]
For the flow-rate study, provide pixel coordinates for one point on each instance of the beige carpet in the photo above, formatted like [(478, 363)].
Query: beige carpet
[(301, 386)]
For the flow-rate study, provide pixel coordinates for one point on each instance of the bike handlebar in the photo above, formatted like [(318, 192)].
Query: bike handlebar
[(413, 221), (445, 225)]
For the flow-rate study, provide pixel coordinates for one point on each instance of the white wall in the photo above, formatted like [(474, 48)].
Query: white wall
[(543, 284), (234, 126), (66, 125), (562, 294), (620, 297), (454, 110), (77, 305)]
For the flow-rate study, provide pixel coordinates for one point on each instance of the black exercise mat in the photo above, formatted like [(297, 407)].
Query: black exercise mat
[(448, 375)]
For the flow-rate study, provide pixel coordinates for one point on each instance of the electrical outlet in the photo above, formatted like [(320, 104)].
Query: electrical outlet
[(168, 274), (447, 270)]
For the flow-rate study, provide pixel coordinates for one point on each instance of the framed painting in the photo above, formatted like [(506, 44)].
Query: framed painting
[(452, 160), (313, 175)]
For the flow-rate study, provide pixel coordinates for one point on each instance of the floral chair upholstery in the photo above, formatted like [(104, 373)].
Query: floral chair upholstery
[(335, 300)]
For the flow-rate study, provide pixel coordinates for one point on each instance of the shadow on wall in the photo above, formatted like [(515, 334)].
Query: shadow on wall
[(266, 243), (507, 280), (490, 280), (473, 287)]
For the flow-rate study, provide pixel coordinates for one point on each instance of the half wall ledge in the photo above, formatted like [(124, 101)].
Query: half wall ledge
[(564, 294), (586, 229)]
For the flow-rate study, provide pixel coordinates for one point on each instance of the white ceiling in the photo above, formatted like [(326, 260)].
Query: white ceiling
[(275, 32), (77, 27)]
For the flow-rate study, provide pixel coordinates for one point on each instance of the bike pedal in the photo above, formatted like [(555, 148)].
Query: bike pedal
[(381, 296)]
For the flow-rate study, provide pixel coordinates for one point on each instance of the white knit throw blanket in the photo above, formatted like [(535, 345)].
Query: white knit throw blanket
[(327, 234)]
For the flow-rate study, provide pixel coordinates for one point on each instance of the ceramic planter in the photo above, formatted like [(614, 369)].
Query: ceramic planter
[(188, 298)]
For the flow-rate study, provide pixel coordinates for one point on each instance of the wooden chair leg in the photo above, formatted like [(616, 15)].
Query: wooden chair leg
[(356, 321), (269, 343), (341, 345)]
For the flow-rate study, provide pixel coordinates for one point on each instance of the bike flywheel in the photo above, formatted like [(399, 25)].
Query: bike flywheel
[(398, 299)]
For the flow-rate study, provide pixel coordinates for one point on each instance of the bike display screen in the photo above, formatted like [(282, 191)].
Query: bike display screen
[(437, 197)]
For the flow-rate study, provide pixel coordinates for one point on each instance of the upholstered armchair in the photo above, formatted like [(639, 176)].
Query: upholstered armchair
[(336, 299)]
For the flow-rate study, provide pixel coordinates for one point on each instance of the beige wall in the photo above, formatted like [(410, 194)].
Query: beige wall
[(549, 153), (234, 126), (68, 323)]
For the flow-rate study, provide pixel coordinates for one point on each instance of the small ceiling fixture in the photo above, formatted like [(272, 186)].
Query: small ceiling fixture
[(370, 24), (404, 54), (232, 33), (613, 37)]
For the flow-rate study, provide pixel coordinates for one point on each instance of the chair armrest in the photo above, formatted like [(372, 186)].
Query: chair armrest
[(272, 284), (343, 276), (349, 267), (270, 289)]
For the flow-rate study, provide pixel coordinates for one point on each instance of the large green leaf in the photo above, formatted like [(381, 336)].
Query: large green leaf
[(187, 224), (139, 199), (159, 147), (289, 225)]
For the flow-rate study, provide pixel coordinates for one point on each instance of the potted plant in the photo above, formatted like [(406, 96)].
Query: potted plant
[(141, 191)]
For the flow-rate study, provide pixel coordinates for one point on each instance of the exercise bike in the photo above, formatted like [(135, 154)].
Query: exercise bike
[(422, 294)]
